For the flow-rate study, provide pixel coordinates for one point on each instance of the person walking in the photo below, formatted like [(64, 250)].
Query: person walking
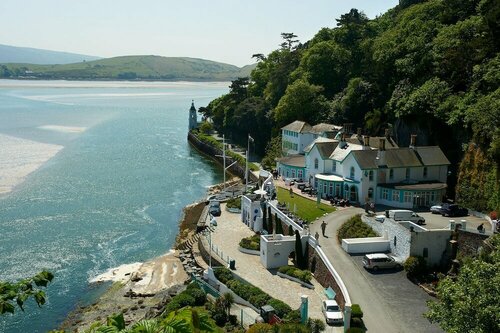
[(323, 228)]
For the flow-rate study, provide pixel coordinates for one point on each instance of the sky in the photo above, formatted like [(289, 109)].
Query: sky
[(228, 31)]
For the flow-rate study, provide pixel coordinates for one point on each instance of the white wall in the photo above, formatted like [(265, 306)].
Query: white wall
[(274, 253), (366, 245), (390, 229), (435, 241), (310, 170)]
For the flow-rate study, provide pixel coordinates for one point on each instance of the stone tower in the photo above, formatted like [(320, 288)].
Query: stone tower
[(193, 120)]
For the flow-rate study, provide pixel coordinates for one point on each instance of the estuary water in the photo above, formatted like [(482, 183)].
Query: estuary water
[(118, 172)]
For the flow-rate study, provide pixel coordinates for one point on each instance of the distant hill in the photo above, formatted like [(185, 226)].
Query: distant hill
[(130, 68), (15, 54)]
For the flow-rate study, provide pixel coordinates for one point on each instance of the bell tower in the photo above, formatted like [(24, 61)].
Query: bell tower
[(193, 120)]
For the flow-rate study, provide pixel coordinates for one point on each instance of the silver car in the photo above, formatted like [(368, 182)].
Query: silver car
[(376, 261)]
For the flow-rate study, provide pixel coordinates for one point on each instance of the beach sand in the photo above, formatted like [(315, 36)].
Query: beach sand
[(137, 288), (19, 158)]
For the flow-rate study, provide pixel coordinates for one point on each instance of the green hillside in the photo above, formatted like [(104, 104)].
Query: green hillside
[(430, 68), (130, 68)]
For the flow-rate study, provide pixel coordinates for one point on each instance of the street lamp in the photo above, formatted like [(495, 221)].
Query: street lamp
[(246, 165)]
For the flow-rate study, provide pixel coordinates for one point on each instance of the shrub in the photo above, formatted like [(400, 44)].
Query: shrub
[(494, 215), (251, 243), (200, 297), (357, 322), (206, 127), (193, 285), (234, 203), (356, 311), (281, 308), (259, 300), (223, 274), (355, 228), (415, 266), (356, 330), (292, 271), (292, 317)]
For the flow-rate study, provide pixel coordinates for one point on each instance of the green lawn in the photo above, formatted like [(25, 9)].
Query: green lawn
[(306, 209)]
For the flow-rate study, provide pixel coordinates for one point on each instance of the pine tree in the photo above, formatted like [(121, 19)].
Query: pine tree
[(299, 257), (264, 219), (279, 227)]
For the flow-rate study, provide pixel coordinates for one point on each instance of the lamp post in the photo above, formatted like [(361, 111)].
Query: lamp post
[(246, 164)]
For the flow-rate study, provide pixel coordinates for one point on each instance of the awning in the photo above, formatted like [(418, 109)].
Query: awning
[(329, 178)]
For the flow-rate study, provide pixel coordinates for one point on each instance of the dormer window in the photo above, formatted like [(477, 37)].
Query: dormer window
[(352, 173), (316, 163)]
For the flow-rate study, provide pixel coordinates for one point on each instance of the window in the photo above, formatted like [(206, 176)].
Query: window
[(352, 173), (407, 176), (425, 172), (395, 195), (370, 193), (315, 163), (407, 196), (330, 189), (425, 253), (300, 175), (370, 175), (391, 174), (384, 194), (334, 166)]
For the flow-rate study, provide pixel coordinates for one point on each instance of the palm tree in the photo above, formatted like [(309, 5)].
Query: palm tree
[(227, 302)]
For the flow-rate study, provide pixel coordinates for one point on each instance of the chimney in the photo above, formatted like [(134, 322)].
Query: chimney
[(381, 153), (381, 145), (413, 140), (366, 140), (342, 143)]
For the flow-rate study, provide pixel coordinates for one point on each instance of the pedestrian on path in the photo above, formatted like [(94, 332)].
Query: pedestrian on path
[(323, 228)]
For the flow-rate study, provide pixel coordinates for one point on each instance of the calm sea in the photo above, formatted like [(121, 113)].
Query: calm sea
[(113, 195)]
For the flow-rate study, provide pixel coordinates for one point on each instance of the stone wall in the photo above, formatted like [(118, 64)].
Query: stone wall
[(469, 242), (211, 151), (203, 246), (398, 236), (323, 275)]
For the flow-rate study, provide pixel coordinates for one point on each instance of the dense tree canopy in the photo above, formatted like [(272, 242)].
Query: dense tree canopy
[(421, 65), (470, 302)]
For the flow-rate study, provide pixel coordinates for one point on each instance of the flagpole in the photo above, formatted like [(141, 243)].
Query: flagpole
[(246, 164), (224, 160)]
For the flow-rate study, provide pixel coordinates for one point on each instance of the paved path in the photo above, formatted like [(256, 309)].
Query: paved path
[(390, 302), (227, 235)]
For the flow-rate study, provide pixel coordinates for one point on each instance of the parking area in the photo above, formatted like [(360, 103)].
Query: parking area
[(436, 221)]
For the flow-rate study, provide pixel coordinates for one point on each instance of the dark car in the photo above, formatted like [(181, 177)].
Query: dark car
[(453, 210), (214, 208)]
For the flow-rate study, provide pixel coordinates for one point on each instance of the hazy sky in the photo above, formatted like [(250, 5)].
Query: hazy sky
[(222, 30)]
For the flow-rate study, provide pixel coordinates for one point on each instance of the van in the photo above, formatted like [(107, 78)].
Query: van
[(405, 215)]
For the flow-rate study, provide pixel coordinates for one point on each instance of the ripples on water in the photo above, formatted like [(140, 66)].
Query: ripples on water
[(113, 195)]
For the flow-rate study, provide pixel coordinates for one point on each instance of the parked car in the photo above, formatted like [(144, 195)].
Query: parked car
[(380, 218), (214, 208), (376, 261), (332, 312), (436, 209), (301, 186), (453, 210)]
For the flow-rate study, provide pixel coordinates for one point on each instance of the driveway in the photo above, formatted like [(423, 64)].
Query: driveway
[(390, 302)]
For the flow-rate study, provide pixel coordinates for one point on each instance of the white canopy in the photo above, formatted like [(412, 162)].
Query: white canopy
[(330, 178)]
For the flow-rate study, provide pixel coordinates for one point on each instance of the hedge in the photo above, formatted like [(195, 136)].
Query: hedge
[(356, 311), (234, 203), (192, 296), (302, 275), (250, 293), (415, 266), (355, 228)]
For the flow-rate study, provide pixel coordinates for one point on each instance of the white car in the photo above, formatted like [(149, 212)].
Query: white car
[(332, 312), (436, 209), (380, 218)]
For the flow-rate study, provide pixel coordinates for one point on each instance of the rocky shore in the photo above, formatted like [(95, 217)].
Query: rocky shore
[(142, 290)]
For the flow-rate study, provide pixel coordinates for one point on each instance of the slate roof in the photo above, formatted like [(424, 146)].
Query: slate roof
[(322, 128), (321, 140), (374, 141), (402, 157), (432, 155), (340, 153), (298, 127), (294, 160)]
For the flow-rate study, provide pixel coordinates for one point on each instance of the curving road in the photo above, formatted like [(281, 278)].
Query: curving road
[(390, 302)]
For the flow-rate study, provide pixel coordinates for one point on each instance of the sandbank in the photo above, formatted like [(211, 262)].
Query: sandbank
[(20, 157)]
